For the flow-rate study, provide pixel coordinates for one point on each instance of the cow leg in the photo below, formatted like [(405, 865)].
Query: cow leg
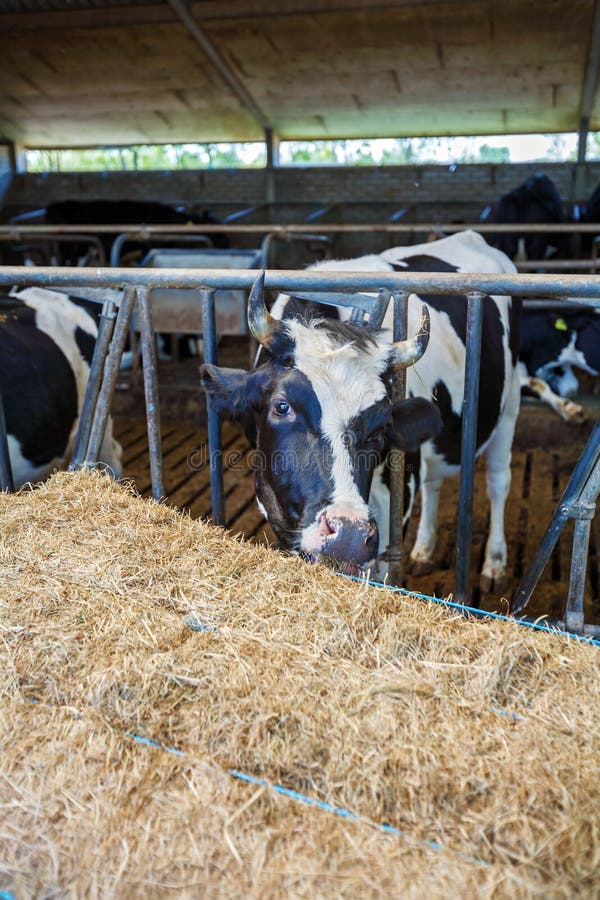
[(111, 451), (421, 555), (493, 573), (566, 409)]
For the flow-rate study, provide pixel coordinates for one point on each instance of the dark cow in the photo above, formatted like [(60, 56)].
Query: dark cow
[(324, 424), (122, 212), (591, 216), (536, 201), (553, 343), (46, 345)]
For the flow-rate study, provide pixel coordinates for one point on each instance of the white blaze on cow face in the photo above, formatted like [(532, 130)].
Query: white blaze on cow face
[(346, 379)]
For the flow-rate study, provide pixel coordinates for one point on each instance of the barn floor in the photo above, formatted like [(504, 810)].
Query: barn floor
[(545, 452)]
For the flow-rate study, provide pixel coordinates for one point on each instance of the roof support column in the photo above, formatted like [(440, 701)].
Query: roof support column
[(272, 144), (586, 105)]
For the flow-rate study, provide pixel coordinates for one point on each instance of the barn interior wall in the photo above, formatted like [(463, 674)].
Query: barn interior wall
[(370, 194)]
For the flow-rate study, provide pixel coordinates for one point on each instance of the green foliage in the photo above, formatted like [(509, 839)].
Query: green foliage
[(384, 152)]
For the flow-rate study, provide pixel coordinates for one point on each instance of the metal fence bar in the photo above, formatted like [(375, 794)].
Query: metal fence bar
[(209, 333), (111, 371), (148, 345), (262, 228), (6, 476), (583, 513), (468, 445), (92, 390), (582, 289), (395, 549)]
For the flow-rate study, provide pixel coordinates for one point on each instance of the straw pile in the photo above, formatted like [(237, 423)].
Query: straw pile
[(480, 736)]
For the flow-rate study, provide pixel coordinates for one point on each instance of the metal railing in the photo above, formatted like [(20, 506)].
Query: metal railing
[(336, 288)]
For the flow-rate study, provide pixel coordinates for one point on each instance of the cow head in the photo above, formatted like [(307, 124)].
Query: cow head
[(323, 421)]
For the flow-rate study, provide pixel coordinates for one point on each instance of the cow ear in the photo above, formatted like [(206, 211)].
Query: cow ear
[(414, 421), (235, 393)]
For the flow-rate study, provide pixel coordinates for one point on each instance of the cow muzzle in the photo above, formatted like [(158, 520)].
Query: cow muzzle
[(346, 538)]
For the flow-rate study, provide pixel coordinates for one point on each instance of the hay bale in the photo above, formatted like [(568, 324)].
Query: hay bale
[(481, 736)]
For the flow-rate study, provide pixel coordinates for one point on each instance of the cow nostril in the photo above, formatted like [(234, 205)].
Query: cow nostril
[(332, 526)]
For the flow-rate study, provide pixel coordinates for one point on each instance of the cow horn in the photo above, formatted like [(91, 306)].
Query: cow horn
[(407, 353), (260, 321)]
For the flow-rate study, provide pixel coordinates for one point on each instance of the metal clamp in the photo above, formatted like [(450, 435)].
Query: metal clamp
[(578, 510)]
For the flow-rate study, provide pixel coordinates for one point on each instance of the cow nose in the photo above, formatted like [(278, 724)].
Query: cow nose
[(349, 539)]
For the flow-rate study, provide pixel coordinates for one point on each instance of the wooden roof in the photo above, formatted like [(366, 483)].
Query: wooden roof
[(80, 72)]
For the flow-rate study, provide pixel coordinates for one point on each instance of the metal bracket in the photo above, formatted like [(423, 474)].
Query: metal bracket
[(578, 510)]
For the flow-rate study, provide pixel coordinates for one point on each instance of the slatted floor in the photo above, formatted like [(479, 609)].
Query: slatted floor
[(541, 468)]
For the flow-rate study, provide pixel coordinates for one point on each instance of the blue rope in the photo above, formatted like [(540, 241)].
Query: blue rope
[(313, 801), (478, 613), (6, 895)]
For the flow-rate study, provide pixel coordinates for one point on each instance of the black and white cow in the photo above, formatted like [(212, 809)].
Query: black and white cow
[(324, 422), (46, 345), (536, 201), (553, 343)]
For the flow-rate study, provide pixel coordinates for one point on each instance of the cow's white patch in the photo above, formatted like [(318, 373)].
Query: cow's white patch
[(346, 380), (23, 471), (571, 356)]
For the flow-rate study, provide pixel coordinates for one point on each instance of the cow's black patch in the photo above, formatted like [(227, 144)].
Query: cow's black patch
[(38, 387), (308, 310), (86, 343), (544, 336), (294, 481), (448, 442)]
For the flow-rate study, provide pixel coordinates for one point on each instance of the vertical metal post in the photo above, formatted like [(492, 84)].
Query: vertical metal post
[(111, 371), (583, 512), (92, 390), (395, 551), (6, 476), (209, 333), (469, 444), (148, 345)]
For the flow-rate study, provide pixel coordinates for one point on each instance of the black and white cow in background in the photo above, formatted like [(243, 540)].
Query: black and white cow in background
[(46, 345), (536, 201), (324, 423), (553, 343)]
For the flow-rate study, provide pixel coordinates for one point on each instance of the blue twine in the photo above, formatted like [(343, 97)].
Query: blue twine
[(196, 625), (313, 801), (478, 613), (6, 895)]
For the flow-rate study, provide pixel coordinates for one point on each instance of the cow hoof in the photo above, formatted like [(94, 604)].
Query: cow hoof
[(573, 413), (490, 584), (421, 567)]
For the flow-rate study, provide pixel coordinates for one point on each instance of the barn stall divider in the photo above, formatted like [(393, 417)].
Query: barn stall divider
[(49, 235), (131, 288)]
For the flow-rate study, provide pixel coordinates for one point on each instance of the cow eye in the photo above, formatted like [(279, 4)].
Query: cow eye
[(281, 408), (375, 436)]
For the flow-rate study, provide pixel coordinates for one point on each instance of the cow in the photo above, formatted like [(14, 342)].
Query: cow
[(323, 424), (553, 343), (120, 212), (591, 216), (46, 345), (536, 201)]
